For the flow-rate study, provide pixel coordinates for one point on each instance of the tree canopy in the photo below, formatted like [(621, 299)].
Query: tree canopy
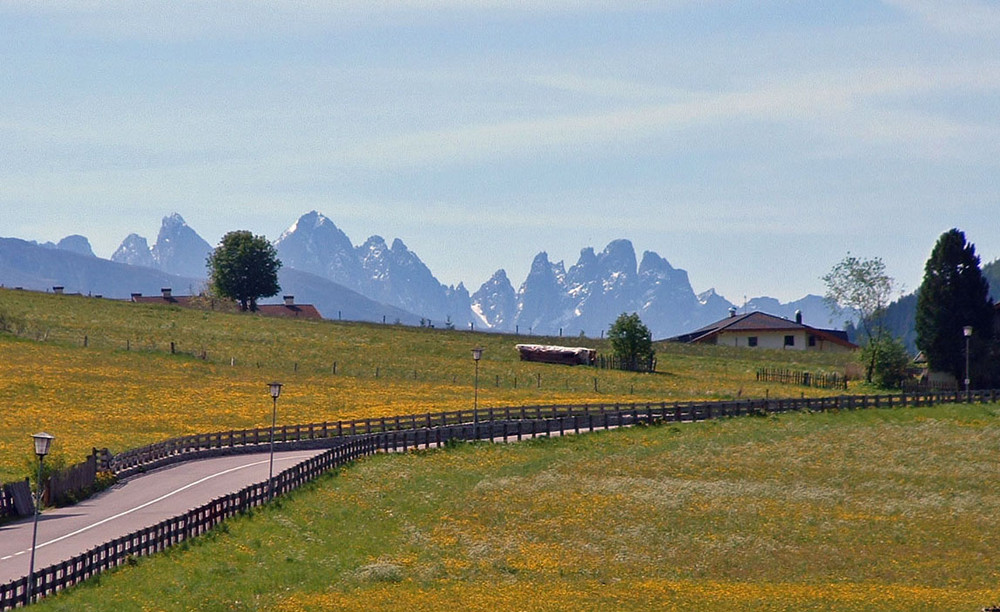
[(954, 294), (631, 342), (244, 268), (863, 285)]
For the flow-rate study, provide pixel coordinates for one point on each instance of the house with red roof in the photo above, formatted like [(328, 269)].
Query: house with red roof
[(289, 309), (762, 330)]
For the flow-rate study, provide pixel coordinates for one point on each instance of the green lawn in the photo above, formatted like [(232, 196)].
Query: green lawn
[(861, 510)]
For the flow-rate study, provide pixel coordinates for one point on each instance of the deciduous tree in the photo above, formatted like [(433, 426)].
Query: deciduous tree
[(862, 285), (244, 268), (631, 342)]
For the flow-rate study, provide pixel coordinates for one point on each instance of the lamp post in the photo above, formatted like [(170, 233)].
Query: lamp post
[(42, 443), (967, 331), (477, 354), (275, 388)]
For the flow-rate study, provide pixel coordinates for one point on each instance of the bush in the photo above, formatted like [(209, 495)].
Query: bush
[(890, 362)]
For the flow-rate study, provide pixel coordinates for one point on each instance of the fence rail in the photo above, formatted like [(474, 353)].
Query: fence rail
[(351, 440), (822, 380), (614, 362)]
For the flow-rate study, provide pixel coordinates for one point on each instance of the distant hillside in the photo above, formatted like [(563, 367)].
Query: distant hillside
[(28, 265)]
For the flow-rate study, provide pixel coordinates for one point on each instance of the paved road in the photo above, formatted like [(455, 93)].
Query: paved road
[(136, 503)]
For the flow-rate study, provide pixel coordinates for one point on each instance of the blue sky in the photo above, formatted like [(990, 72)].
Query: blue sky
[(751, 143)]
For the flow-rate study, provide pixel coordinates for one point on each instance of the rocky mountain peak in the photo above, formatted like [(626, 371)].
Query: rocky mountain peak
[(76, 244), (134, 251), (179, 249), (495, 303), (618, 258), (316, 245)]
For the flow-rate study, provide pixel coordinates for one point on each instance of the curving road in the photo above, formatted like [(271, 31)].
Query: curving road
[(138, 502)]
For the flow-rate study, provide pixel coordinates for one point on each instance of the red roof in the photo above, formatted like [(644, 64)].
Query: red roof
[(303, 311), (176, 300), (761, 322)]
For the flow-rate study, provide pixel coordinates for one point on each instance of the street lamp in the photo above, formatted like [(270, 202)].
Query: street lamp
[(477, 354), (42, 443), (967, 330), (275, 388)]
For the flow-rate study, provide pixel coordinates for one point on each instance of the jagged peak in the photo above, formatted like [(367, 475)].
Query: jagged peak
[(541, 261), (623, 245), (311, 220), (173, 220), (618, 256), (500, 276), (374, 241), (710, 295), (398, 246), (652, 263)]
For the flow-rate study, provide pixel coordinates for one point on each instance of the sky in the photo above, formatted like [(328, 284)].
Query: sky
[(754, 143)]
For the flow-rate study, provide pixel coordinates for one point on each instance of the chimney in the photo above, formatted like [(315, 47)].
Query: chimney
[(798, 317), (166, 292), (58, 290), (289, 300), (732, 312)]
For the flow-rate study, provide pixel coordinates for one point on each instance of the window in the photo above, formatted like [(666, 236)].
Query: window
[(812, 340), (752, 341), (789, 340)]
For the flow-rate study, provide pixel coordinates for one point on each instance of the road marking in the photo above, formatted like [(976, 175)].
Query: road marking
[(151, 502)]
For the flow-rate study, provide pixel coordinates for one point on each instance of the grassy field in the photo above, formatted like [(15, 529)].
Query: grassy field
[(100, 373), (862, 510)]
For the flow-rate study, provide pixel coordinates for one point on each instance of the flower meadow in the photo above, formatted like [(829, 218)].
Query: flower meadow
[(863, 510), (100, 373)]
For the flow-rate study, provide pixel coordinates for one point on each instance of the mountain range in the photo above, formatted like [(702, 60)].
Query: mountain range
[(379, 281)]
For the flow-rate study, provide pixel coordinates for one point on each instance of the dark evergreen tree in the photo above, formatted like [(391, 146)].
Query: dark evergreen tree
[(244, 268), (955, 294)]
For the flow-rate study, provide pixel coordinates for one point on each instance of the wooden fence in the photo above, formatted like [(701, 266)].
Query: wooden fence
[(196, 446), (820, 380), (351, 440), (614, 362), (178, 529), (15, 499)]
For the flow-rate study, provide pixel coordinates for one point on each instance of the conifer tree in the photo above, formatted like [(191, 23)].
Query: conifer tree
[(954, 294)]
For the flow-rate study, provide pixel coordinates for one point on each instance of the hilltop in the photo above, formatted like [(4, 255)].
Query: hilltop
[(97, 372)]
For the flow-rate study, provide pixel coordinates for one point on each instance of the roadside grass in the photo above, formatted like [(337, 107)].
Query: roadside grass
[(857, 510), (125, 388)]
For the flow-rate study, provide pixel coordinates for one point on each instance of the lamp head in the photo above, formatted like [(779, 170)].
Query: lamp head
[(967, 330), (275, 388), (477, 353), (42, 443)]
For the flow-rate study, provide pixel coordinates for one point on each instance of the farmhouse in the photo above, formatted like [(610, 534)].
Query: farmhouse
[(289, 309), (762, 330)]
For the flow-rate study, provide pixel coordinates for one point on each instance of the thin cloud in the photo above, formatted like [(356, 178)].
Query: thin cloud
[(955, 17), (814, 103)]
